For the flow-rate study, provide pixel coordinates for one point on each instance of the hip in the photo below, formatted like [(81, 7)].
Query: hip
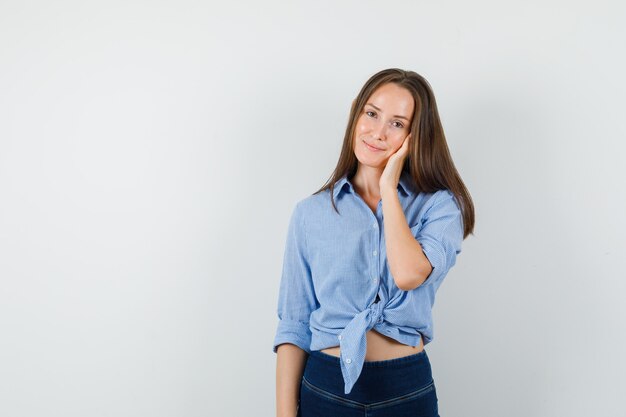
[(384, 388)]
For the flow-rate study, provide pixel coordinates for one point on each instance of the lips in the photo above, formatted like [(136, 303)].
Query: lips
[(372, 148)]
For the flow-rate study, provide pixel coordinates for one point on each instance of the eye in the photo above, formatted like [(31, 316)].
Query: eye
[(368, 113), (400, 125)]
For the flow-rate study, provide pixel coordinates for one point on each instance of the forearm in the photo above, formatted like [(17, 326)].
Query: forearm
[(290, 364), (407, 263)]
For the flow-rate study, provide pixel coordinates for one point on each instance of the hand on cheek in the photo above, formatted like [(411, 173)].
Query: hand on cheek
[(393, 166)]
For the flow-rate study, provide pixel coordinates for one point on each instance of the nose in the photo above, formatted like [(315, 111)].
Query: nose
[(380, 131)]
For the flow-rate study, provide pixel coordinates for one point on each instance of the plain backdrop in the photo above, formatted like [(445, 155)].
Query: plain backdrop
[(151, 153)]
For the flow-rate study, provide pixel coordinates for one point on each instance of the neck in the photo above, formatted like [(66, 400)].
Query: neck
[(366, 181)]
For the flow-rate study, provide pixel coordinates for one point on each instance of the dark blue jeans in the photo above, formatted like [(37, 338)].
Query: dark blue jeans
[(396, 387)]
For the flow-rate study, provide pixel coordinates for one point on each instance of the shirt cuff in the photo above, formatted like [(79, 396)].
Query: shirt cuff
[(435, 254), (292, 331)]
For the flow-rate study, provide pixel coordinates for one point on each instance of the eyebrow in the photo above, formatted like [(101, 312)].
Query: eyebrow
[(397, 115)]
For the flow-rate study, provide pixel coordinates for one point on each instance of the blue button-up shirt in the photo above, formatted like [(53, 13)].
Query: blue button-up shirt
[(336, 284)]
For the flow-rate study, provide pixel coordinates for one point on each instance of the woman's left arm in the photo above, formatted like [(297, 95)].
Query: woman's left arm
[(407, 262)]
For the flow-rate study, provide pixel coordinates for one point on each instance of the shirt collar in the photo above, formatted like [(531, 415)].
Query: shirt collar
[(404, 184)]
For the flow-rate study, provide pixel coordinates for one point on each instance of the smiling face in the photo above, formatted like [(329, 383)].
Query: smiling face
[(383, 125)]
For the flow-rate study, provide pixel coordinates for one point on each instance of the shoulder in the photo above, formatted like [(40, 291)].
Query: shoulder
[(314, 203), (431, 199), (304, 209), (441, 202), (443, 197)]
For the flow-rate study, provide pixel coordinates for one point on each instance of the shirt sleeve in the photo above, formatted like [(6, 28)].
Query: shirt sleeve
[(441, 236), (296, 298)]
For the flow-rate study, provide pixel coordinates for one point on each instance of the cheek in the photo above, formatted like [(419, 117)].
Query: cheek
[(363, 124), (361, 127), (397, 144)]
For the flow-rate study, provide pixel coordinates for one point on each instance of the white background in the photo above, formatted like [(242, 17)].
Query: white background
[(151, 153)]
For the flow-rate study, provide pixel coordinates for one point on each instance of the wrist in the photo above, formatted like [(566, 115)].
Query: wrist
[(387, 190)]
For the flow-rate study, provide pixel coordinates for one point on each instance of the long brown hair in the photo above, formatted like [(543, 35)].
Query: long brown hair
[(429, 164)]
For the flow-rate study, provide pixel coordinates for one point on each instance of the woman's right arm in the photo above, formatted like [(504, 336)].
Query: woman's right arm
[(296, 301), (290, 364)]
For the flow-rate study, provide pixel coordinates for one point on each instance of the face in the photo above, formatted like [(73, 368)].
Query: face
[(383, 125)]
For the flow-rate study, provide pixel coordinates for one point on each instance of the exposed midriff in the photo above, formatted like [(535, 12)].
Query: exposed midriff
[(381, 347)]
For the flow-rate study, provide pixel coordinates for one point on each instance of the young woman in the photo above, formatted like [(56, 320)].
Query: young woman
[(364, 258)]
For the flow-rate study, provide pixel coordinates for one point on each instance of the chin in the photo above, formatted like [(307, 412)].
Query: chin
[(371, 163)]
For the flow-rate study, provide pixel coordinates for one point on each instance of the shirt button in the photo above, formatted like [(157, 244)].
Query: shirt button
[(348, 360), (375, 253), (339, 337), (375, 280), (375, 225)]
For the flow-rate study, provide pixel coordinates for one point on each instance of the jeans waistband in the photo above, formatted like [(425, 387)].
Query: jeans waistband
[(378, 381), (402, 361)]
